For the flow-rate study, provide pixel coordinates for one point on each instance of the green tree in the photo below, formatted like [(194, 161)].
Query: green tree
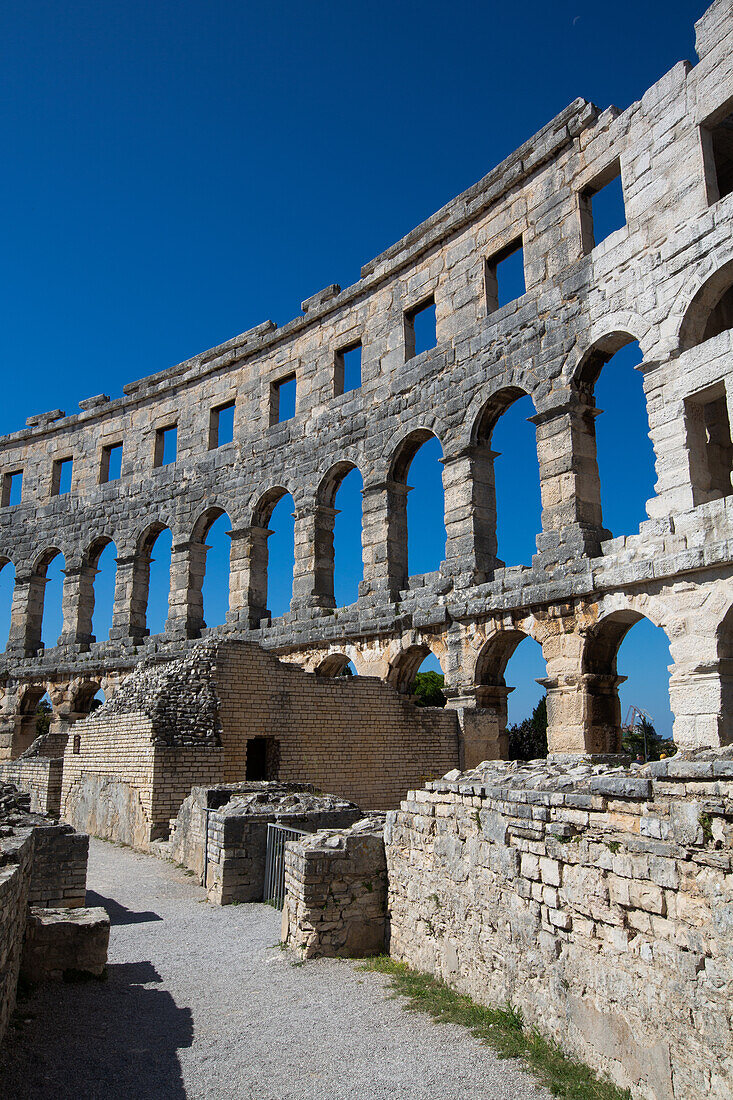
[(44, 710), (528, 739), (428, 689), (634, 738)]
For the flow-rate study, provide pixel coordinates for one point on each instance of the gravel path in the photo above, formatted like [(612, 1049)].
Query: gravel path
[(201, 1003)]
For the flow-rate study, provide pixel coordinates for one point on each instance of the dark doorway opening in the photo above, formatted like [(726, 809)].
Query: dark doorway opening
[(263, 758)]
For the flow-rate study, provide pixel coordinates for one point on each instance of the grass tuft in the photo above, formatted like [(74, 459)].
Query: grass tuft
[(501, 1028)]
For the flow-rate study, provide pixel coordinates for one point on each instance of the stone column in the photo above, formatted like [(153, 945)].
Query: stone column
[(313, 557), (186, 601), (583, 713), (482, 716), (701, 699), (384, 539), (131, 597), (569, 481), (78, 605), (26, 615), (470, 513), (248, 576)]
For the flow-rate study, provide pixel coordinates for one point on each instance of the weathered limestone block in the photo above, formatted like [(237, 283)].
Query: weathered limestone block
[(336, 891), (61, 944)]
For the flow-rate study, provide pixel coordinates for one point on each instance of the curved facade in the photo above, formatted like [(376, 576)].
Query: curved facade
[(664, 279)]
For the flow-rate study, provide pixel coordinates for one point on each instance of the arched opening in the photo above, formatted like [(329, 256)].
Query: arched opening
[(34, 718), (338, 523), (272, 554), (507, 670), (615, 458), (711, 310), (417, 672), (507, 481), (416, 512), (210, 572), (86, 699), (45, 610), (7, 588), (97, 597), (336, 665), (626, 678), (152, 581)]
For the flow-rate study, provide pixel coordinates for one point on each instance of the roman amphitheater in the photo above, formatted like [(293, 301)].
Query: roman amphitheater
[(260, 698)]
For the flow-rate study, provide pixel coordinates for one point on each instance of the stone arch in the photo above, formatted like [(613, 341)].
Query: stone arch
[(81, 697), (601, 681), (405, 666), (141, 578), (197, 551), (397, 491), (333, 665), (710, 310), (491, 688), (259, 533), (7, 568), (25, 725), (86, 596), (583, 412), (36, 597), (324, 520)]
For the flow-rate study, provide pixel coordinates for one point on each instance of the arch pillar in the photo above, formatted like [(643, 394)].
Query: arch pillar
[(470, 513), (482, 718), (185, 600), (701, 699), (77, 605), (131, 595), (248, 576), (570, 486), (583, 712), (26, 615), (313, 579), (384, 539)]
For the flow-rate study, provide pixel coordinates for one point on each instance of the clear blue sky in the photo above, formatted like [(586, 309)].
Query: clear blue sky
[(175, 173)]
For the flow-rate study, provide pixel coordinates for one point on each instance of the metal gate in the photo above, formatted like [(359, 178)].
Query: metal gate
[(277, 836)]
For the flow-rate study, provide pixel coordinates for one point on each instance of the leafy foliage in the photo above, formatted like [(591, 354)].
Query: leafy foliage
[(633, 741), (528, 740), (44, 711), (428, 689)]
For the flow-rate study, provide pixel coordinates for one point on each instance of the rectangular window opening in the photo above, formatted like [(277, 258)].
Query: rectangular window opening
[(347, 369), (717, 139), (221, 425), (505, 276), (61, 477), (166, 445), (602, 207), (111, 463), (12, 488), (282, 399), (420, 328), (710, 447)]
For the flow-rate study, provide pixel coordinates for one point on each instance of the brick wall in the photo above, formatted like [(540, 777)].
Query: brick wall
[(41, 778), (597, 901), (355, 737)]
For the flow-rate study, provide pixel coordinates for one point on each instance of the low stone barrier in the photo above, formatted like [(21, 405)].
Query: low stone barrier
[(59, 876), (597, 900), (40, 777), (221, 832), (336, 891), (62, 944)]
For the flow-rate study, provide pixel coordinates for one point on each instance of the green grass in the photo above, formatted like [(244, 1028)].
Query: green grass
[(501, 1028)]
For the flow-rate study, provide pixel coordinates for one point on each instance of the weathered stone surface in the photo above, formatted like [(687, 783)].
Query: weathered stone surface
[(65, 943)]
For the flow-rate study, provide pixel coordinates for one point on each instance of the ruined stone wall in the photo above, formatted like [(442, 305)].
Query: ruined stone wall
[(596, 900), (357, 738), (336, 891), (15, 877), (41, 778), (59, 878), (658, 279)]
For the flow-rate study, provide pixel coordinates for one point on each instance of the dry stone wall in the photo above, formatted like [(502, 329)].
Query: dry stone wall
[(597, 900), (664, 278)]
